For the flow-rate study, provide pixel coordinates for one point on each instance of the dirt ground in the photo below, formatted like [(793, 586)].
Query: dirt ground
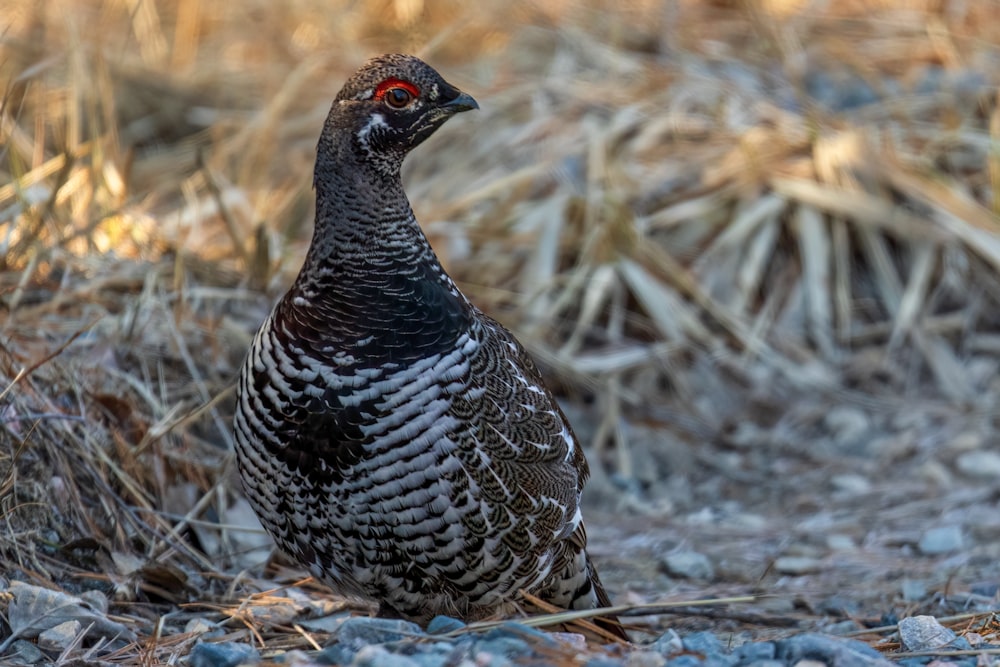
[(829, 535)]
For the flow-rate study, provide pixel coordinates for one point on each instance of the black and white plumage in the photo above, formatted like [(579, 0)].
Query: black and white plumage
[(390, 436)]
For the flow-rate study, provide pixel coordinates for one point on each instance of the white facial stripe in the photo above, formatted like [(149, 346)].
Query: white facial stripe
[(377, 120)]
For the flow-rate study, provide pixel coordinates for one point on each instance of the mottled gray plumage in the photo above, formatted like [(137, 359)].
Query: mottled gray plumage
[(392, 438)]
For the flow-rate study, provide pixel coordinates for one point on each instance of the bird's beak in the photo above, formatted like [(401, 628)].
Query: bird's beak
[(463, 102)]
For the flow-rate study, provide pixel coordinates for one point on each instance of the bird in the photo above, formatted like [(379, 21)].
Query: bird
[(392, 438)]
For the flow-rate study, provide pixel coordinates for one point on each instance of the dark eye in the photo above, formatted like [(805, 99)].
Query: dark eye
[(398, 97)]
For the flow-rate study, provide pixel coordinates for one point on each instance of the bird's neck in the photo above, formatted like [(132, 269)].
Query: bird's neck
[(370, 273), (365, 230)]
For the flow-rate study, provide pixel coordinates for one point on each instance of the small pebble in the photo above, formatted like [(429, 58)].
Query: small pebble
[(941, 540), (935, 473), (668, 643), (828, 651), (848, 424), (987, 589), (505, 645), (838, 542), (924, 633), (966, 441), (854, 485), (704, 643), (359, 631), (688, 565), (222, 654), (913, 590), (59, 636), (975, 639), (839, 604), (570, 640), (754, 653), (982, 464), (96, 599), (797, 565), (25, 653), (640, 658), (198, 626), (378, 656), (439, 625), (841, 628), (327, 623), (597, 661), (338, 654)]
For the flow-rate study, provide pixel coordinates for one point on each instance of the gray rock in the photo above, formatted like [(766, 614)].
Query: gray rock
[(851, 484), (223, 654), (35, 609), (961, 644), (839, 604), (24, 653), (504, 645), (640, 658), (987, 589), (704, 643), (797, 565), (840, 628), (924, 633), (840, 542), (378, 656), (686, 661), (982, 464), (913, 590), (925, 661), (338, 654), (569, 640), (941, 540), (602, 661), (688, 565), (442, 624), (96, 599), (360, 631), (754, 653), (522, 633), (839, 90), (848, 424), (700, 648), (966, 441), (831, 651), (668, 643), (327, 623), (200, 626), (58, 637)]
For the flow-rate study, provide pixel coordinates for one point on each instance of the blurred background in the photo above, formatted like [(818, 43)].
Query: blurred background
[(753, 245)]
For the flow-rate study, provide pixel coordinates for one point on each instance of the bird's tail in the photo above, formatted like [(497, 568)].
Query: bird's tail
[(609, 623), (575, 585)]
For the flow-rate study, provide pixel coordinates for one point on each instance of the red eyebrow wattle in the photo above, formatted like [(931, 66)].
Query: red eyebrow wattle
[(395, 83)]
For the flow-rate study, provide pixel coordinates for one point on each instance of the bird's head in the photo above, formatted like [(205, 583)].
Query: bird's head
[(389, 106)]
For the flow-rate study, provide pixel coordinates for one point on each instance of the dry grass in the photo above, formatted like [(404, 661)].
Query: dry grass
[(648, 193)]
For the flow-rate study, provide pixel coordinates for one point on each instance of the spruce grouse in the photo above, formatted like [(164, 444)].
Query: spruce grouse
[(390, 436)]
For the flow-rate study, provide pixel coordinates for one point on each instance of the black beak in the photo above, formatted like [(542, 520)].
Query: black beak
[(463, 102)]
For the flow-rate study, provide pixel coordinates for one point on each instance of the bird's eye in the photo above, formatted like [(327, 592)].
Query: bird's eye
[(398, 97)]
